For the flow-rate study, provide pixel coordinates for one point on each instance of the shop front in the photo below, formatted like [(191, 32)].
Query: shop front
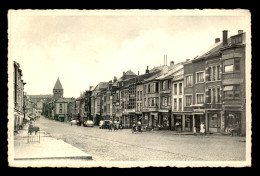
[(214, 121), (199, 117), (188, 120), (164, 119), (153, 120), (178, 122), (139, 117), (145, 119), (232, 120)]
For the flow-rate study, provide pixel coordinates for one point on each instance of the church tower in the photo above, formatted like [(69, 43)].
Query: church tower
[(57, 90)]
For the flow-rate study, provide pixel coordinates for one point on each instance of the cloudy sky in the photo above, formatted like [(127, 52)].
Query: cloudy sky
[(87, 47)]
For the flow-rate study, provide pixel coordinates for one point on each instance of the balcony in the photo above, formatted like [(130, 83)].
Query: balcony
[(213, 106)]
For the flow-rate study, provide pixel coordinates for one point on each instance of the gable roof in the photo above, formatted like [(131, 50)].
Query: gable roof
[(64, 100), (58, 85)]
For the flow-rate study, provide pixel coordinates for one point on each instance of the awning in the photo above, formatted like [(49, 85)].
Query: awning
[(226, 88), (214, 115)]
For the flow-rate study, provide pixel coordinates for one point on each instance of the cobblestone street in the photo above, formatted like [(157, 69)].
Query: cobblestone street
[(122, 145)]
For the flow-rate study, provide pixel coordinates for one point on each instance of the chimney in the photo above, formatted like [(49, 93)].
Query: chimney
[(90, 87), (171, 63), (147, 70), (115, 78), (217, 40), (240, 31), (123, 73), (225, 35)]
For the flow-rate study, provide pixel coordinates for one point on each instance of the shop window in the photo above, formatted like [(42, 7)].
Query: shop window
[(214, 120), (232, 119), (200, 98), (188, 100)]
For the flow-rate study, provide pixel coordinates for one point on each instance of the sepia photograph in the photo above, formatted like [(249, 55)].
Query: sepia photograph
[(129, 88)]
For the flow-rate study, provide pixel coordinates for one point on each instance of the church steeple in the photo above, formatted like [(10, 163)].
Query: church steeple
[(57, 90)]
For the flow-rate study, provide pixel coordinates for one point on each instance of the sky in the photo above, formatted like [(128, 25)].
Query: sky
[(83, 49)]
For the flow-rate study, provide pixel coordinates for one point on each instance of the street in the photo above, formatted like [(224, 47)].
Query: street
[(122, 145)]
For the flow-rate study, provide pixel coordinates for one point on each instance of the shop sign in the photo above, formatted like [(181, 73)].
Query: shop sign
[(130, 110), (146, 109), (163, 110), (199, 110)]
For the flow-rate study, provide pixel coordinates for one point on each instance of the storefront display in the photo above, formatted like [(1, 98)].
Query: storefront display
[(214, 122), (188, 123), (232, 120)]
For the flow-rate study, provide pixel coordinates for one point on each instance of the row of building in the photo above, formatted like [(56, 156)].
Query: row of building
[(209, 88)]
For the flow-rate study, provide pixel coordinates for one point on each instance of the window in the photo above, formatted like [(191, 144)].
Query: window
[(60, 110), (188, 80), (200, 98), (149, 88), (214, 73), (169, 84), (141, 96), (231, 65), (141, 108), (175, 89), (218, 95), (175, 104), (145, 105), (156, 87), (214, 96), (60, 105), (180, 88), (210, 74), (228, 68), (218, 72), (164, 85), (237, 64), (180, 104), (200, 77), (209, 99), (144, 88), (231, 91), (188, 100)]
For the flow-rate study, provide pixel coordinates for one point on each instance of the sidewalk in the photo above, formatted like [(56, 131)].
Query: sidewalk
[(47, 148)]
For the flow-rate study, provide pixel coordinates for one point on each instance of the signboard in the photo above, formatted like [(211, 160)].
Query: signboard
[(163, 110), (199, 110)]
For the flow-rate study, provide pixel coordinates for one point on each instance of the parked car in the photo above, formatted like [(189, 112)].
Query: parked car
[(74, 122), (105, 124), (88, 123)]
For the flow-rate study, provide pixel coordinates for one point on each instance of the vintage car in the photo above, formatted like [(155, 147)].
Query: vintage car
[(88, 123)]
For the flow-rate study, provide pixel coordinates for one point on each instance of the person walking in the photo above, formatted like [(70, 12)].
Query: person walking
[(202, 128)]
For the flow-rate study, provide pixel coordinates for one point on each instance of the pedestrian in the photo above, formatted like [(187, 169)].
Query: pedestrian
[(139, 126), (194, 131), (202, 128)]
